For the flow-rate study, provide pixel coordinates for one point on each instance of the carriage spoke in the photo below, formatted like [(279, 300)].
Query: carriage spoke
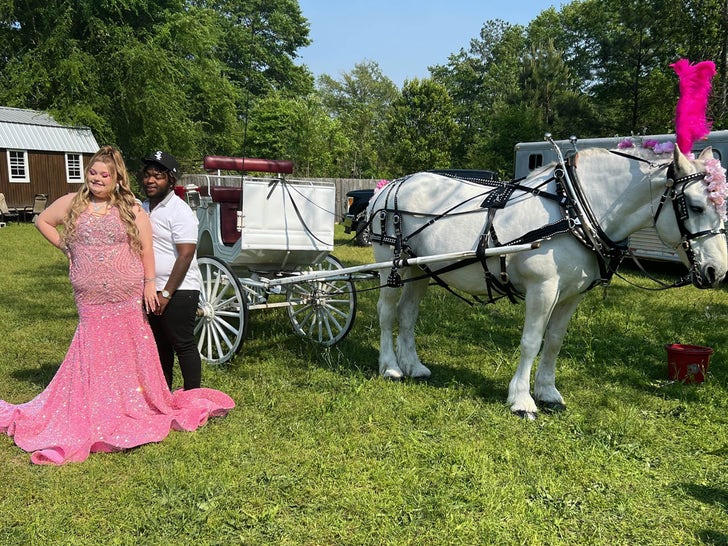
[(201, 335), (219, 334), (321, 321), (222, 325), (216, 339)]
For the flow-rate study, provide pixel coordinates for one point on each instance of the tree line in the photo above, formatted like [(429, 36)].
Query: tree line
[(220, 77)]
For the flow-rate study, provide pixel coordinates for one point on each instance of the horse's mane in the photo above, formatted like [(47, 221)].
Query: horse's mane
[(637, 151), (644, 153)]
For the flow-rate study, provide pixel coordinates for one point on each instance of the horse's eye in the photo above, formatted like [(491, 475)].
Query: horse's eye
[(697, 209)]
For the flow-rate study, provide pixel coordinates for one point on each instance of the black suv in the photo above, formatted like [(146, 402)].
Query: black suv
[(357, 200)]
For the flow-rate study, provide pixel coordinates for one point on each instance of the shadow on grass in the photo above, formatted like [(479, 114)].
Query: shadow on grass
[(711, 496), (37, 376), (707, 494), (270, 332)]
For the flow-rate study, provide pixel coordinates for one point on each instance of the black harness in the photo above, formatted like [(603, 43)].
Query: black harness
[(577, 218)]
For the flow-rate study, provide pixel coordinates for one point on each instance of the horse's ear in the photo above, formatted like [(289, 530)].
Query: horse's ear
[(681, 162), (707, 153)]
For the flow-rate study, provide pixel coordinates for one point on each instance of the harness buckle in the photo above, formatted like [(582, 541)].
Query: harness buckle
[(394, 280)]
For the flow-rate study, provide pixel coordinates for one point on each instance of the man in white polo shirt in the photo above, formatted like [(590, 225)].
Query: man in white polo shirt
[(174, 237)]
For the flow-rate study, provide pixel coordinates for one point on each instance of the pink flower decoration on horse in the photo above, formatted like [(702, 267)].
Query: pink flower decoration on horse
[(717, 188), (659, 147), (380, 185)]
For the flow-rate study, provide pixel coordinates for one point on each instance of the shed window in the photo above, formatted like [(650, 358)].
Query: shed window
[(74, 168), (18, 166)]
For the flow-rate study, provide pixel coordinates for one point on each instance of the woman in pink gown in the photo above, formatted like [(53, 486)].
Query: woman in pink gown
[(109, 393)]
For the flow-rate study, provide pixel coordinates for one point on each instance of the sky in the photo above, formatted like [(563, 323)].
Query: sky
[(403, 37)]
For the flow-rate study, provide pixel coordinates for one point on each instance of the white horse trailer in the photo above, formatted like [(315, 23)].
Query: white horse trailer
[(644, 243)]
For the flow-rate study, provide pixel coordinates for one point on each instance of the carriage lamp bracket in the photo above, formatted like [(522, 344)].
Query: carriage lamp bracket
[(192, 195)]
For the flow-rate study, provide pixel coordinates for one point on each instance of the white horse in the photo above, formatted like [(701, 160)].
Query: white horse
[(619, 194)]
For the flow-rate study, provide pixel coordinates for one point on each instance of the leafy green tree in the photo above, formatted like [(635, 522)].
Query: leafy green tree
[(421, 128), (509, 124), (480, 81), (261, 38), (297, 129), (623, 51), (549, 88), (360, 101), (143, 74), (700, 32)]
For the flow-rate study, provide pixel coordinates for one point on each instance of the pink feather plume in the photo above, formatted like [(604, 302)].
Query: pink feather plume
[(690, 121)]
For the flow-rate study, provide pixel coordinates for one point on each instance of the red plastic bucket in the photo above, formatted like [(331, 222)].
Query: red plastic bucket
[(687, 363)]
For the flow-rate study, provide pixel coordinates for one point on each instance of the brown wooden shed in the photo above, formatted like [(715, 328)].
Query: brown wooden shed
[(40, 156)]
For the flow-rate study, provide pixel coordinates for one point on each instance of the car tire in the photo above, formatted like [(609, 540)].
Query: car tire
[(362, 230)]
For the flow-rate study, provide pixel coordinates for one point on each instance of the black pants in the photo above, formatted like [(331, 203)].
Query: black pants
[(174, 333)]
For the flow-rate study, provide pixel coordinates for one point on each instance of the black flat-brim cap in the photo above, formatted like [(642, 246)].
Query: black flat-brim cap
[(164, 159)]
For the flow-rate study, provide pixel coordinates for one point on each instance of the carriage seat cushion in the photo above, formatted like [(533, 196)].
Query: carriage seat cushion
[(229, 201)]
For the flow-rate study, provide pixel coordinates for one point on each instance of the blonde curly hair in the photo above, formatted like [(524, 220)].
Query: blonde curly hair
[(122, 198)]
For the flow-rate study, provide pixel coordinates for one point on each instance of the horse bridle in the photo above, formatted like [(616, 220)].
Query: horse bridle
[(675, 191)]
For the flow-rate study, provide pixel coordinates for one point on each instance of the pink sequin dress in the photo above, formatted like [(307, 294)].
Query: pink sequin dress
[(109, 393)]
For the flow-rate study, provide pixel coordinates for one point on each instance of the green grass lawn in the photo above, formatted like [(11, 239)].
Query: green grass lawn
[(321, 451)]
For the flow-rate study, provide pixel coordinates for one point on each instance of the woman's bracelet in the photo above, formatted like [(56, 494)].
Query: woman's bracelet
[(151, 279)]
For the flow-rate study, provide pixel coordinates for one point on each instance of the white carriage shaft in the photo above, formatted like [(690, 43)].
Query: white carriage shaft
[(347, 272)]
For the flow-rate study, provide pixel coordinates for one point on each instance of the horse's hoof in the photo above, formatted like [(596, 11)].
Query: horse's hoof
[(527, 415), (390, 375), (423, 375), (552, 407)]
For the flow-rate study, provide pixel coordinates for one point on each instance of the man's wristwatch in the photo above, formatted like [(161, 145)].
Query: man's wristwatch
[(166, 294)]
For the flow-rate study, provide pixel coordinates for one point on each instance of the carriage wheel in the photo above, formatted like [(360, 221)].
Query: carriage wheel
[(222, 315), (323, 310)]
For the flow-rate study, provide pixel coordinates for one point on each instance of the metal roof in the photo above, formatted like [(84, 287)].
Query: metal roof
[(32, 130)]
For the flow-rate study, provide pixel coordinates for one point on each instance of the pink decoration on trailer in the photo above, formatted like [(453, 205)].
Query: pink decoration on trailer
[(690, 122)]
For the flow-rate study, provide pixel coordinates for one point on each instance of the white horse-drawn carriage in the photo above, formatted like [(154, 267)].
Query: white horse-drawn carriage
[(257, 237), (546, 239)]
